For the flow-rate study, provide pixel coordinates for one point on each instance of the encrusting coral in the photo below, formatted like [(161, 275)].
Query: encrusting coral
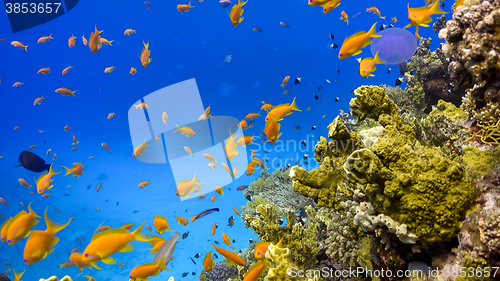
[(406, 181)]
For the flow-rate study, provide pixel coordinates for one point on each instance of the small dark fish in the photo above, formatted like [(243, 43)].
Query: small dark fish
[(278, 165), (185, 274), (197, 255), (399, 81), (296, 127), (306, 163), (193, 273), (265, 151), (338, 70), (256, 29), (185, 235), (308, 107), (297, 163), (264, 101), (284, 24), (251, 123), (89, 186), (66, 194), (32, 162), (303, 142), (288, 165), (216, 242), (314, 127), (230, 221), (185, 211), (297, 80), (216, 256), (242, 187), (334, 46), (305, 156), (251, 240), (262, 135), (389, 70), (391, 26), (382, 27), (267, 160), (206, 212), (285, 91), (331, 36), (135, 211), (319, 89), (442, 4), (316, 96), (336, 99), (193, 260), (117, 203), (234, 241)]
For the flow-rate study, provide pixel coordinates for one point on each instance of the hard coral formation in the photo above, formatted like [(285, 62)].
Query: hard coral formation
[(406, 181), (54, 278), (221, 272)]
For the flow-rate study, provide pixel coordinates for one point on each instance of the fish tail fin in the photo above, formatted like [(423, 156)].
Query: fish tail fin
[(161, 264), (51, 172), (94, 264), (26, 49), (294, 105), (139, 236), (435, 8), (32, 212), (68, 171), (52, 225), (377, 59), (373, 31), (18, 275)]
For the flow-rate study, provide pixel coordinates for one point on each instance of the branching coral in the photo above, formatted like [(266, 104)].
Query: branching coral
[(221, 272)]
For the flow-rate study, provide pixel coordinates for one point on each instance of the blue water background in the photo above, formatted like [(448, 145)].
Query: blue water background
[(183, 46)]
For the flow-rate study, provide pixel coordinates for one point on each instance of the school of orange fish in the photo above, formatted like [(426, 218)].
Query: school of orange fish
[(106, 240)]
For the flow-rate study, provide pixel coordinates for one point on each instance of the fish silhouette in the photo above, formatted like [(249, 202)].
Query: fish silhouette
[(32, 162)]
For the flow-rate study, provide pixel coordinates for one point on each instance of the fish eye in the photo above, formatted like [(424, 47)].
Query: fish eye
[(86, 254), (8, 240), (25, 260)]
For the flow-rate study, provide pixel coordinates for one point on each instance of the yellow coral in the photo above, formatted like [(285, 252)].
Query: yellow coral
[(54, 278)]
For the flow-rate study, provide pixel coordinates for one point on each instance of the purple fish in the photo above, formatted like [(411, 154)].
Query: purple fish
[(225, 3)]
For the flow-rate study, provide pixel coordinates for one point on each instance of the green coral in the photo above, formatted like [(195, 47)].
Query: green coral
[(301, 238), (479, 266), (372, 102), (327, 184), (414, 185), (480, 161), (488, 134), (449, 110)]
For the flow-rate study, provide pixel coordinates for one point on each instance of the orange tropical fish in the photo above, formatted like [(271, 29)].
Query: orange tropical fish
[(208, 261), (272, 131), (184, 8), (251, 116), (145, 53), (20, 225), (226, 167), (16, 128), (111, 115), (143, 184), (214, 228), (205, 114), (317, 2), (38, 100), (84, 40), (17, 276), (66, 70), (188, 150), (33, 146), (4, 229), (76, 170), (133, 71), (161, 224), (202, 196), (210, 157), (328, 7), (45, 39), (143, 271), (106, 147), (43, 71), (243, 125), (236, 13), (109, 69), (94, 42), (285, 81), (139, 150), (105, 41), (230, 256), (266, 107), (423, 15), (66, 265), (167, 249), (17, 84), (282, 110), (77, 260), (24, 183), (344, 17), (39, 243), (127, 226), (185, 187), (367, 65), (394, 19), (128, 31), (245, 140), (74, 149), (67, 128), (71, 41), (19, 45), (353, 44), (46, 195), (164, 117), (236, 210), (213, 198), (106, 243), (181, 220), (219, 190), (65, 92), (54, 157), (103, 228), (227, 240), (230, 147), (75, 142), (251, 167), (255, 270), (187, 131), (44, 181)]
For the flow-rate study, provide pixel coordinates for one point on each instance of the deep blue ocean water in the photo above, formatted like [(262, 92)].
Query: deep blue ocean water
[(183, 46)]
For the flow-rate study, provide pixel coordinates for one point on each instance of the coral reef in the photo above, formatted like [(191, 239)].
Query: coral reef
[(54, 278), (221, 272), (480, 161), (299, 236)]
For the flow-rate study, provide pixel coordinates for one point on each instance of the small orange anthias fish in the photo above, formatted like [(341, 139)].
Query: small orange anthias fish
[(111, 115), (353, 44), (143, 184), (214, 228), (45, 39), (106, 147), (208, 261), (367, 65), (161, 224), (17, 84), (19, 45), (181, 220), (109, 69), (44, 181), (128, 31), (66, 70), (75, 142), (423, 15), (344, 17), (376, 11), (71, 41), (144, 271), (76, 170), (145, 55), (94, 42), (236, 13), (19, 226), (133, 71), (330, 5), (187, 131), (184, 8), (139, 150), (65, 92), (84, 40)]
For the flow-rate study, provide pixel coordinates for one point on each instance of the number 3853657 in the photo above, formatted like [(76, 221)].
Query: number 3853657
[(32, 8)]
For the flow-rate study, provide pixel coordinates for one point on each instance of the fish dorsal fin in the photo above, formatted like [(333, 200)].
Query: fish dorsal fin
[(114, 231), (359, 33), (20, 214)]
